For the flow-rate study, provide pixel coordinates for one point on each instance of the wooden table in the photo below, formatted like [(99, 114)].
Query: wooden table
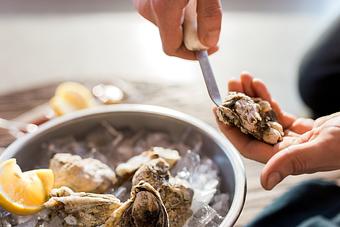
[(187, 99)]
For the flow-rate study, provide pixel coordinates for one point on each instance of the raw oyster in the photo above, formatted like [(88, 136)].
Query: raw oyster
[(155, 172), (252, 115), (176, 198), (80, 208), (81, 175), (128, 168), (144, 209)]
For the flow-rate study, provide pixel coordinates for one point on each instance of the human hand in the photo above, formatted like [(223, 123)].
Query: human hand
[(168, 16), (307, 146)]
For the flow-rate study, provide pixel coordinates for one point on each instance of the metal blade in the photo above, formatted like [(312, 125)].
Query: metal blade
[(209, 77)]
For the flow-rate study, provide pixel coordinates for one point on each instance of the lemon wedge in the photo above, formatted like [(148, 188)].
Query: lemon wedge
[(71, 96), (23, 193)]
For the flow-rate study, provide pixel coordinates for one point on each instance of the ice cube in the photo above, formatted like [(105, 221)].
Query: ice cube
[(158, 139), (221, 203), (70, 220), (29, 221), (65, 145), (55, 222), (123, 191), (186, 166), (7, 219), (201, 176), (205, 216)]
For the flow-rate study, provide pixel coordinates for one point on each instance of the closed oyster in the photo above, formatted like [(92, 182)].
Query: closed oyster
[(80, 208), (81, 175), (176, 198), (144, 209), (128, 168), (252, 116), (155, 172)]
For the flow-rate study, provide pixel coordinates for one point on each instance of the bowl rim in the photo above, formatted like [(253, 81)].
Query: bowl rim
[(232, 154)]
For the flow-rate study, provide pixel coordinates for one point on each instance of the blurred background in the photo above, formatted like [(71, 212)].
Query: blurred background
[(48, 41)]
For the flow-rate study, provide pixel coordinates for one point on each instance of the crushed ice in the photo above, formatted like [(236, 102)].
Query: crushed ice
[(209, 205)]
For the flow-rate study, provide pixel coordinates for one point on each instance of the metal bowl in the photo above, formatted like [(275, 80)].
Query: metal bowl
[(27, 150)]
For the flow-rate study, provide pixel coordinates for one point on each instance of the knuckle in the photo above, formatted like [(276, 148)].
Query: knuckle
[(298, 165), (157, 6), (169, 51)]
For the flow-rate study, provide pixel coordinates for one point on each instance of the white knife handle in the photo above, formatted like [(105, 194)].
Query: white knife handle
[(191, 39)]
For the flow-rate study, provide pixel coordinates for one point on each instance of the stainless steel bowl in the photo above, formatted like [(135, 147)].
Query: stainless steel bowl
[(27, 150)]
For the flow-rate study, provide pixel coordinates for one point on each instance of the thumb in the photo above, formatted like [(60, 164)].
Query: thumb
[(294, 160)]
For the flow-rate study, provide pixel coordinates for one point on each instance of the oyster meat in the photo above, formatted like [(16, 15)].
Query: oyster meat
[(252, 116), (176, 198), (80, 208), (81, 175), (144, 209)]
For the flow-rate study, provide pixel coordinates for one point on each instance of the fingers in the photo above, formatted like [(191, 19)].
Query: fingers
[(145, 9), (209, 18), (302, 125), (261, 90), (235, 85), (293, 160), (247, 84), (320, 121), (168, 16), (257, 88)]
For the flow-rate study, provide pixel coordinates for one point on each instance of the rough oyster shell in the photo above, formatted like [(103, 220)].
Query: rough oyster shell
[(80, 208), (176, 198), (128, 168), (155, 172), (81, 175), (144, 209), (252, 116)]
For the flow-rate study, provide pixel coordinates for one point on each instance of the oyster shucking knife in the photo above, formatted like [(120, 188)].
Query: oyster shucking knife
[(192, 43)]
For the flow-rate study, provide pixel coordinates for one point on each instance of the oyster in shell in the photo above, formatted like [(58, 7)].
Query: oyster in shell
[(144, 209), (80, 208), (176, 198), (128, 168), (252, 116), (155, 172), (81, 175)]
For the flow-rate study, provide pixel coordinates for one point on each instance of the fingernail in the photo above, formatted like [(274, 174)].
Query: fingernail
[(211, 38), (273, 179)]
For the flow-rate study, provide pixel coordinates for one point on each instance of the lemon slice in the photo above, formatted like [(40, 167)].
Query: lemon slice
[(71, 96), (23, 193)]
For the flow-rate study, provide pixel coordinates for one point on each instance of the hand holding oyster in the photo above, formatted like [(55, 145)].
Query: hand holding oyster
[(252, 116)]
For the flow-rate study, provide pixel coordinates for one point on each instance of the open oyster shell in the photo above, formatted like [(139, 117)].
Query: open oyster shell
[(176, 198), (252, 116), (81, 175), (80, 208), (144, 209)]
